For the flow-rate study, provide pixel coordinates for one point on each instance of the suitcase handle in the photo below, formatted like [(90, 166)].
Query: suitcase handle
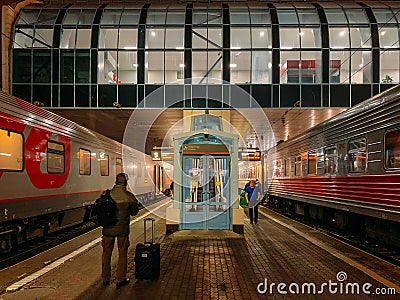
[(152, 229)]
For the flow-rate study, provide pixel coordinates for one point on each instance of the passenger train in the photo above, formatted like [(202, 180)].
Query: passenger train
[(345, 171), (52, 170)]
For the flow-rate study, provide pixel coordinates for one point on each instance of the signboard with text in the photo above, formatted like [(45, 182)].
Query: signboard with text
[(250, 155), (205, 149)]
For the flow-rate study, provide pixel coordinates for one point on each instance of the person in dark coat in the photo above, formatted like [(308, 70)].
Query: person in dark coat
[(127, 205)]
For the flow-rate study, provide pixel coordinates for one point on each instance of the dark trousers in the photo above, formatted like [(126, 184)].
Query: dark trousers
[(253, 212), (108, 246)]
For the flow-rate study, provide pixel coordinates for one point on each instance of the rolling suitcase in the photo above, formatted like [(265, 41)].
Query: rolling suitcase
[(147, 256)]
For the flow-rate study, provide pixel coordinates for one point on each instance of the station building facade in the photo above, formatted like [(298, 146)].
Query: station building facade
[(323, 54)]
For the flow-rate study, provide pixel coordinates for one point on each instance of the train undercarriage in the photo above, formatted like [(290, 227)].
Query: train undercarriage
[(385, 233)]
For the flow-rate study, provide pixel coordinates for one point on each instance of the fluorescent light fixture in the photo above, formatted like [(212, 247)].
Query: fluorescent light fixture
[(233, 65), (135, 65), (360, 65), (269, 65), (153, 33), (383, 32), (235, 48), (262, 33), (5, 154), (130, 48), (179, 48), (287, 48), (181, 65), (342, 33), (337, 47), (301, 33)]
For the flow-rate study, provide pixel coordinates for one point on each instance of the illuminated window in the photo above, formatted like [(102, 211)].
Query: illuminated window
[(11, 151), (312, 164), (297, 170), (357, 155), (118, 165), (331, 160), (278, 168), (392, 149), (104, 165), (287, 167), (84, 162), (55, 158)]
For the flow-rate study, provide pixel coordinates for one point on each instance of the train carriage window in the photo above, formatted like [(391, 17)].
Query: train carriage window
[(84, 162), (118, 165), (104, 165), (11, 151), (392, 149), (278, 167), (331, 160), (55, 158), (297, 170), (312, 164), (357, 155), (287, 167)]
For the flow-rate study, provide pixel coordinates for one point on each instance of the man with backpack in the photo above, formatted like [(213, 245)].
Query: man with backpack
[(126, 206)]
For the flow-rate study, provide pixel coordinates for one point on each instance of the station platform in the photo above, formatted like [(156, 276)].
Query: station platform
[(277, 258)]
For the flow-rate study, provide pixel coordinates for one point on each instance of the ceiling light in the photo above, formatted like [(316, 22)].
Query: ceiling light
[(235, 48), (181, 65), (135, 65), (179, 48), (262, 33), (233, 65), (383, 32), (301, 33), (269, 65), (342, 33), (360, 65), (153, 33), (130, 48)]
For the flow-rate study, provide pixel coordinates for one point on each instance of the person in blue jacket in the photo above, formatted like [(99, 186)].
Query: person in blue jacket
[(253, 197)]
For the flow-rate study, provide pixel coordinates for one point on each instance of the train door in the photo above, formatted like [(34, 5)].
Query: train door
[(206, 192)]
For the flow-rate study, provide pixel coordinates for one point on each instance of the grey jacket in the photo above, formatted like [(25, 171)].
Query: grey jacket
[(127, 205)]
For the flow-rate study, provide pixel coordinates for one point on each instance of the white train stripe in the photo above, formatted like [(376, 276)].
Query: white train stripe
[(19, 284)]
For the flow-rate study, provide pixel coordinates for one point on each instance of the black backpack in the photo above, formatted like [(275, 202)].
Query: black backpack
[(105, 208)]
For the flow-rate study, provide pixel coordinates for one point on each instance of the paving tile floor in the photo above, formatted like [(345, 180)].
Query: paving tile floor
[(222, 265)]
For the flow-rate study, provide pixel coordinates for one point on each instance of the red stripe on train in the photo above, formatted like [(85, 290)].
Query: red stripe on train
[(378, 189)]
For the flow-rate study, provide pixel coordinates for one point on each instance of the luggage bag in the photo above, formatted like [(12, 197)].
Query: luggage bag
[(147, 256)]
